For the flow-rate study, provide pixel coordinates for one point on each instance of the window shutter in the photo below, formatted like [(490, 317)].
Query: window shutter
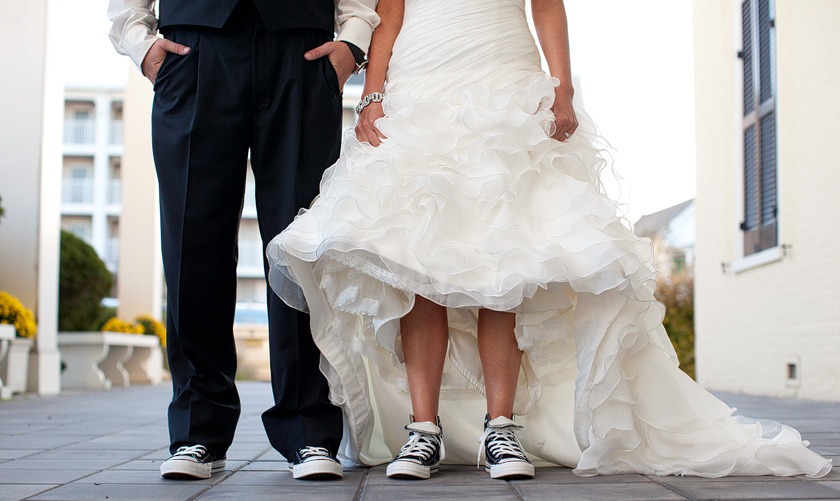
[(750, 180), (760, 187), (765, 53), (747, 57)]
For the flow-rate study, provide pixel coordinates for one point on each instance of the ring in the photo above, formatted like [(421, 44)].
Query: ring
[(567, 134)]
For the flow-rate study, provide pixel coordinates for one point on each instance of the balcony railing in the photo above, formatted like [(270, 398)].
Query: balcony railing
[(115, 191), (79, 131), (76, 191), (250, 254), (116, 133)]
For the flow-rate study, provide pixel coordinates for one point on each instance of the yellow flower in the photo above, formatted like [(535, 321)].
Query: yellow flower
[(13, 312), (152, 326), (114, 324)]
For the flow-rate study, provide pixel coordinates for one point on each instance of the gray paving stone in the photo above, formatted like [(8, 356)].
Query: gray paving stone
[(246, 453), (597, 492), (833, 484), (141, 478), (278, 478), (40, 476), (424, 490), (61, 464), (15, 492), (16, 453), (122, 492), (271, 455), (274, 493), (77, 454), (116, 443), (449, 475), (154, 465), (707, 489), (266, 466)]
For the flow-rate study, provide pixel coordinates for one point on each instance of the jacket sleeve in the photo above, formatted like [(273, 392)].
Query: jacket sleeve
[(133, 28), (355, 21)]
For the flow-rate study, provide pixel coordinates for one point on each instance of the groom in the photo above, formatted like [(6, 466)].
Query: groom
[(233, 77)]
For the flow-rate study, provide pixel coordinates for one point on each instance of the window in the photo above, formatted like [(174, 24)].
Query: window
[(759, 64)]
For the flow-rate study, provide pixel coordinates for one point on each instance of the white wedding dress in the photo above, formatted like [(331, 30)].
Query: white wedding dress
[(471, 204)]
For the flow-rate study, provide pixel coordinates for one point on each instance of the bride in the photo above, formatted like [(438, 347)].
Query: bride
[(463, 265)]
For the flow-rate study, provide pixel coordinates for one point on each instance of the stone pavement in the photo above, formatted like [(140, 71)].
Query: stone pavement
[(109, 445)]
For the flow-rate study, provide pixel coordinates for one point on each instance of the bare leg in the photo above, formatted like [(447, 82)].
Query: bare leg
[(500, 360), (425, 335)]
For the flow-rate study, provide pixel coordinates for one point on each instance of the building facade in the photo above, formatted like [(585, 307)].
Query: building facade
[(672, 233), (91, 169), (766, 274)]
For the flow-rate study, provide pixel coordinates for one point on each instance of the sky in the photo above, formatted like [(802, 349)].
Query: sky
[(632, 59)]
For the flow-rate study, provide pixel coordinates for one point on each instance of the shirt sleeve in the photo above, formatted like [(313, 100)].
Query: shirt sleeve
[(133, 28), (355, 21)]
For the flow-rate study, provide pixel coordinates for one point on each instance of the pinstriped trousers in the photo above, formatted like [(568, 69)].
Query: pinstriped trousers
[(240, 89)]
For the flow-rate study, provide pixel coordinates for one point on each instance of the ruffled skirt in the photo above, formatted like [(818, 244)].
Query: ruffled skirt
[(471, 204)]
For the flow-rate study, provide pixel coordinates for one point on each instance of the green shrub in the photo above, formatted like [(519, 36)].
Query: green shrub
[(83, 282), (677, 294)]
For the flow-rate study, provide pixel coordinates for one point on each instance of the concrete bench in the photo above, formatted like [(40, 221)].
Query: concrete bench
[(14, 361), (7, 335), (100, 360)]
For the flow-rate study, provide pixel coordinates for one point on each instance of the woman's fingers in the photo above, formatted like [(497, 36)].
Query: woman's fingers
[(366, 130), (566, 125)]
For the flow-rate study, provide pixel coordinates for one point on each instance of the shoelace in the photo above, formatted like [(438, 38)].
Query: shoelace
[(503, 441), (421, 446), (194, 451), (307, 452)]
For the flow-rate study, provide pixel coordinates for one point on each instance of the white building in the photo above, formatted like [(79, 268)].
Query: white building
[(91, 168), (767, 275), (672, 232)]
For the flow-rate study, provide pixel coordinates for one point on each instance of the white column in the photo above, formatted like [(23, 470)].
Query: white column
[(140, 268), (30, 144)]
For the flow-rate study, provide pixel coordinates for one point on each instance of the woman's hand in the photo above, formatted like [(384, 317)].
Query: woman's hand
[(565, 119), (366, 130)]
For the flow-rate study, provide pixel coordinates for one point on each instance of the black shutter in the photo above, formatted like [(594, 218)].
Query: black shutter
[(750, 179), (760, 188), (747, 56)]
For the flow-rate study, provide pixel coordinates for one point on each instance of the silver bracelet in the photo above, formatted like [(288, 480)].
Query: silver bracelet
[(373, 97)]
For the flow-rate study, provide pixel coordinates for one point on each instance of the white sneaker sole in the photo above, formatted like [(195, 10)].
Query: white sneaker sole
[(185, 469), (317, 469), (511, 470), (410, 470)]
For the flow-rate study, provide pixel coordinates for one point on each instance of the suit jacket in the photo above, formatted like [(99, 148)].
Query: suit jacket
[(277, 14)]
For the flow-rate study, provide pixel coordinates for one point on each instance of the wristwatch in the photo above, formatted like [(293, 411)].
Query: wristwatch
[(359, 56)]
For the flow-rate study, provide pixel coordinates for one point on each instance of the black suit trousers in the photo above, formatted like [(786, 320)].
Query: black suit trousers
[(240, 89)]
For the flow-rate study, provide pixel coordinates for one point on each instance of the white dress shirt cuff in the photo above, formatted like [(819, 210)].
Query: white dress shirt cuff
[(133, 33), (355, 31)]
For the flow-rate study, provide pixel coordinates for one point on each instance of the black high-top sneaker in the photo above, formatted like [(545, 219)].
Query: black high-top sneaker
[(422, 454), (503, 453), (191, 462), (315, 463)]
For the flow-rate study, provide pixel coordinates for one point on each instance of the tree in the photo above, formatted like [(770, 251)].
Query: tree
[(677, 294), (83, 282)]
